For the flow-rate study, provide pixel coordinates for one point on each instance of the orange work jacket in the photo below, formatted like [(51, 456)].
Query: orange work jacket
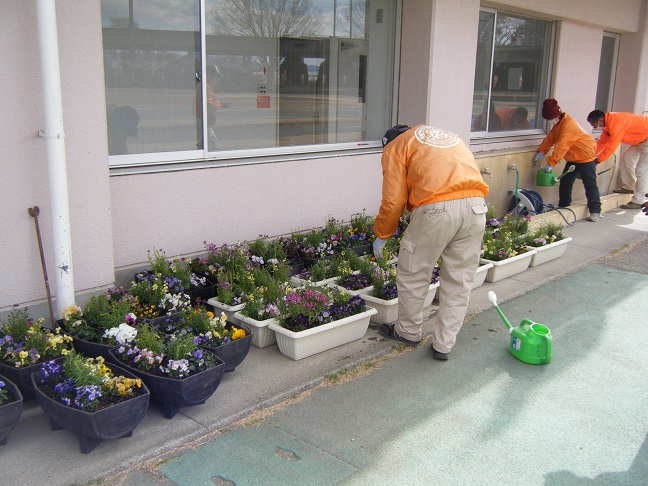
[(569, 141), (621, 127), (421, 166)]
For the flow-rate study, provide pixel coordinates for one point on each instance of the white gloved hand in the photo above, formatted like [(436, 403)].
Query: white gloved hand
[(547, 168), (538, 157), (378, 246)]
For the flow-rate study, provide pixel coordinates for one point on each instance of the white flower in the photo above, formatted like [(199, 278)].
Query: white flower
[(122, 334)]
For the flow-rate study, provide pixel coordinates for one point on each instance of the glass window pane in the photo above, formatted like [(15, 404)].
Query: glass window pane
[(299, 72), (150, 52), (519, 75), (483, 65), (607, 68)]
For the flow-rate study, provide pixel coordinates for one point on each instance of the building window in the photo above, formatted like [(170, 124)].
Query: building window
[(511, 73), (607, 70), (223, 79)]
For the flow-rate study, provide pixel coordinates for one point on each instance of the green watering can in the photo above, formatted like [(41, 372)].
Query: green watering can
[(549, 178), (531, 342)]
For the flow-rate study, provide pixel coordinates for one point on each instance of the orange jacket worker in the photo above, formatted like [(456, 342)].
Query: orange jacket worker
[(572, 143), (433, 173), (631, 129)]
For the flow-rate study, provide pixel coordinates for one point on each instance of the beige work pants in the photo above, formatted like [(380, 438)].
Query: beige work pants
[(452, 230)]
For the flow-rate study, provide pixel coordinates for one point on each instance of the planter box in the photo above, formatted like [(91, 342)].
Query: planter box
[(174, 393), (509, 266), (234, 352), (480, 274), (113, 422), (21, 377), (262, 335), (387, 310), (91, 349), (159, 322), (10, 412), (298, 345), (229, 310), (298, 282), (549, 252)]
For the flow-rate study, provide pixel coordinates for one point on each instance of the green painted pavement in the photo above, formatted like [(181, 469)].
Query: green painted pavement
[(481, 418), (261, 454)]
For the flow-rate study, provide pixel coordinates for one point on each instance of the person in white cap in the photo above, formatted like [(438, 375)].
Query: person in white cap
[(434, 174)]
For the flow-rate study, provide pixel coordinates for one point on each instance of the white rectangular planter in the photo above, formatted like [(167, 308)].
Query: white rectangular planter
[(298, 282), (298, 345), (387, 310), (509, 266), (262, 335), (480, 274), (549, 252), (229, 310)]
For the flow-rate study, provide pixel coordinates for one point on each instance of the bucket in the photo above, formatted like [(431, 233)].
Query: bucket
[(545, 178)]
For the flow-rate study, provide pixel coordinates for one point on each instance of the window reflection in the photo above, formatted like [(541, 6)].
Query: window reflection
[(511, 75), (277, 73)]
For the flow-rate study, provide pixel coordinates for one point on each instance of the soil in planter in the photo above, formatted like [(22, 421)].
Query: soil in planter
[(354, 281)]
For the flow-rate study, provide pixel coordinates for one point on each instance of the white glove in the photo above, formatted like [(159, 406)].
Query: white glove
[(537, 157), (547, 168), (378, 246)]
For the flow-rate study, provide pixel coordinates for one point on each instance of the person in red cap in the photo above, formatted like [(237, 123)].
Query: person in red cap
[(631, 129), (569, 141), (434, 174)]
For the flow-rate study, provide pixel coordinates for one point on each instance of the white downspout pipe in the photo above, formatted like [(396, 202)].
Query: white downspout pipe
[(55, 149)]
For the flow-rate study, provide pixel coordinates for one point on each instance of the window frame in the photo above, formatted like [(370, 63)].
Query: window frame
[(484, 137), (202, 158)]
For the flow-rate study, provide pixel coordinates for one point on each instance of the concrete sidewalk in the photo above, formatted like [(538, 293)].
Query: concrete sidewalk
[(481, 418)]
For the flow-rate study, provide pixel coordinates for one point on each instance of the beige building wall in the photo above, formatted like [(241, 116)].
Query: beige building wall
[(116, 219), (23, 160)]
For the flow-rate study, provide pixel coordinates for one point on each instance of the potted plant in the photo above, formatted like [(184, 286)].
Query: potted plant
[(176, 371), (323, 272), (94, 330), (11, 406), (383, 295), (358, 235), (228, 342), (504, 245), (25, 344), (312, 320), (95, 400), (355, 278), (179, 275), (549, 242), (232, 266), (261, 309)]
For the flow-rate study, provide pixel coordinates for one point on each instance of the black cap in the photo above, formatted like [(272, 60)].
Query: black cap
[(394, 132)]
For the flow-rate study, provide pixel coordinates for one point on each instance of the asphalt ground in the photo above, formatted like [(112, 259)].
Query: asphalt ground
[(372, 411)]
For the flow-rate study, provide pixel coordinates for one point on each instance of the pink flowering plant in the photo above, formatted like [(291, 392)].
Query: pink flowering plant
[(307, 307)]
